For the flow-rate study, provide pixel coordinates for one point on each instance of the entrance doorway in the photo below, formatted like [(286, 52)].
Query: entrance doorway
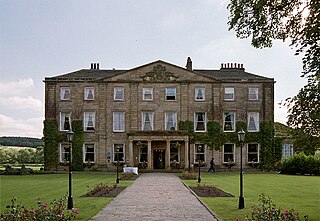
[(159, 159)]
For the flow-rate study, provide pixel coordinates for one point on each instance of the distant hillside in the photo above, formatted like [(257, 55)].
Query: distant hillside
[(21, 141)]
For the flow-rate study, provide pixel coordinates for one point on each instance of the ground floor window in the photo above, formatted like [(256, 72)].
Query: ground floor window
[(228, 153), (118, 152), (143, 153), (64, 152), (199, 152), (174, 153), (89, 153), (287, 150), (253, 153)]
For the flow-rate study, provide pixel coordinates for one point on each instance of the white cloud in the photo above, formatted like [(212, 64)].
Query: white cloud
[(12, 88), (26, 127), (21, 103)]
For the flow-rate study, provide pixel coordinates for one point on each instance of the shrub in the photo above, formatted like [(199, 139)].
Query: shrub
[(128, 176), (268, 211), (189, 175), (300, 164), (54, 211)]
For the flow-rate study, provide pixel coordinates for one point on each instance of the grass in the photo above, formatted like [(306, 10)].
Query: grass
[(301, 193), (28, 188)]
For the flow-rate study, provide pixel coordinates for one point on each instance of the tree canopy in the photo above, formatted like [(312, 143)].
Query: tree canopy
[(298, 20)]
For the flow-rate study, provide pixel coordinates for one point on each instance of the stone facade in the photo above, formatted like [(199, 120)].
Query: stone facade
[(133, 114)]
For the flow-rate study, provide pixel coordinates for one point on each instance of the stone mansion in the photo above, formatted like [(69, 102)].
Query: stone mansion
[(134, 115)]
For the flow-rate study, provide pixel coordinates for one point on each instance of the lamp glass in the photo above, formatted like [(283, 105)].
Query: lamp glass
[(241, 135)]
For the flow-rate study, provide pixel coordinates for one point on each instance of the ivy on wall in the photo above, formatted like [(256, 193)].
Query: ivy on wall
[(270, 147), (52, 137), (78, 140)]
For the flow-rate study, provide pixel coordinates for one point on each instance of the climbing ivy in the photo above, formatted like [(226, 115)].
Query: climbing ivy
[(50, 139), (78, 140)]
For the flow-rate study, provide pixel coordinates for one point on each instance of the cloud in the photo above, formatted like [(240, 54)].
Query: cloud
[(13, 88), (26, 127), (21, 103)]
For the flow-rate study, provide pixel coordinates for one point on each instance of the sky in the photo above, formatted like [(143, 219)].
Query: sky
[(44, 38)]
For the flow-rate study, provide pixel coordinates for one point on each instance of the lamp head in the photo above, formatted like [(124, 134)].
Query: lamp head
[(70, 135), (241, 135)]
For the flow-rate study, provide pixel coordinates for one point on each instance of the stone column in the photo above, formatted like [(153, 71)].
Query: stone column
[(167, 162), (130, 157), (186, 154), (149, 156)]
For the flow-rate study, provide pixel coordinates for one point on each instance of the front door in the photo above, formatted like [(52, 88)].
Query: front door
[(159, 159)]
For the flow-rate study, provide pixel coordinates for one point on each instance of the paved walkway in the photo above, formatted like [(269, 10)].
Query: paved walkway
[(155, 196)]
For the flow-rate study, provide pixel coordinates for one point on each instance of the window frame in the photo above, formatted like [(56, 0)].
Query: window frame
[(144, 146), (115, 89), (233, 123), (168, 96), (151, 120), (174, 146), (257, 152), (86, 93), (204, 147), (203, 91), (63, 115), (85, 153), (196, 121), (174, 122), (256, 93), (63, 93), (255, 118), (229, 153), (144, 90), (86, 116), (287, 150), (114, 152), (62, 154), (232, 92), (118, 121)]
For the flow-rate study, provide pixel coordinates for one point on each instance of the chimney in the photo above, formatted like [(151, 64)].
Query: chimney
[(95, 66), (189, 64), (91, 65), (232, 66)]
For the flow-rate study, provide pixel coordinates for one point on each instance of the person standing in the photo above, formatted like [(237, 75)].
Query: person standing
[(212, 166)]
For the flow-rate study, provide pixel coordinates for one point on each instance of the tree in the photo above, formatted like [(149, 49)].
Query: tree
[(298, 20)]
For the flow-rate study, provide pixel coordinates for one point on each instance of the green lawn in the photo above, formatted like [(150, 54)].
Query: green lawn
[(28, 188), (301, 193)]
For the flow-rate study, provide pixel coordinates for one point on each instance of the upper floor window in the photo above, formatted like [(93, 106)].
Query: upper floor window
[(199, 152), (147, 120), (89, 121), (253, 153), (253, 93), (229, 93), (65, 121), (170, 120), (64, 152), (229, 123), (147, 94), (89, 153), (200, 124), (228, 153), (199, 94), (89, 93), (118, 93), (253, 121), (118, 152), (118, 121), (171, 93), (65, 93)]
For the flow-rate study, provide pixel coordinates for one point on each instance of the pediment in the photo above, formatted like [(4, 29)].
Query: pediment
[(160, 71)]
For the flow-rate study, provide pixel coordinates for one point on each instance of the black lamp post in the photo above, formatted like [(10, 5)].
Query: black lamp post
[(199, 149), (241, 136), (70, 140), (117, 180)]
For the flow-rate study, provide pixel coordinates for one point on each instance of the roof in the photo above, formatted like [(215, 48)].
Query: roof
[(224, 74)]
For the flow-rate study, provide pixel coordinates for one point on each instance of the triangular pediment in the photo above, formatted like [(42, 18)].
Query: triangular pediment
[(160, 71)]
